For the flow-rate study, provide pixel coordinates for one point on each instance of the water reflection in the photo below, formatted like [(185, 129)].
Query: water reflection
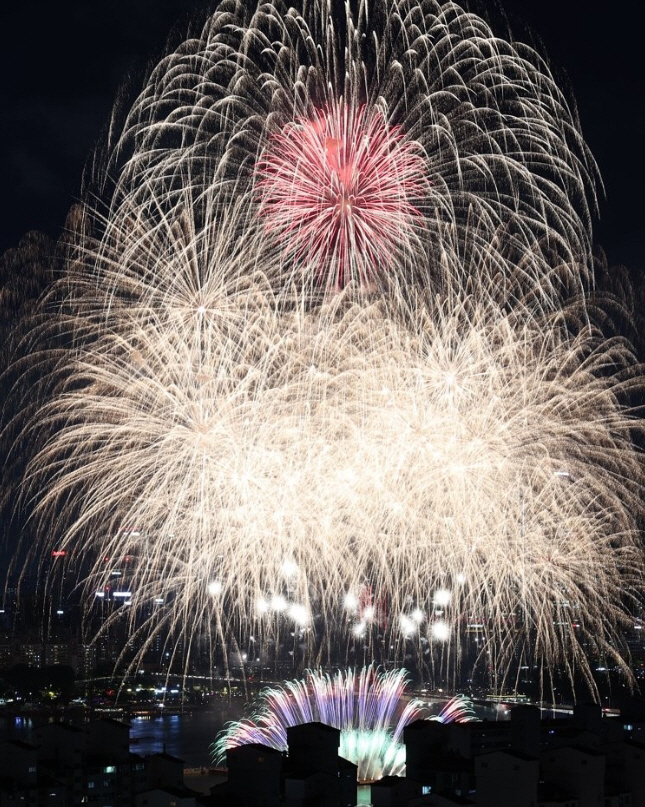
[(16, 728), (186, 736)]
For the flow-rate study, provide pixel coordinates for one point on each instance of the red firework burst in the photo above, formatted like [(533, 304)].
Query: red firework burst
[(338, 191)]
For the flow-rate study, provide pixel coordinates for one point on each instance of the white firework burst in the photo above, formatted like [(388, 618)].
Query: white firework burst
[(276, 455)]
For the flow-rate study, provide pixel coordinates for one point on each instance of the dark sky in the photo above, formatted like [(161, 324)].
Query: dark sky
[(63, 63)]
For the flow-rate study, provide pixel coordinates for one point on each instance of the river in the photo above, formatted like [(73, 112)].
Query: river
[(187, 736)]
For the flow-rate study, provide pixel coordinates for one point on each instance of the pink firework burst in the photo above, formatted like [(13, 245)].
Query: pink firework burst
[(338, 190)]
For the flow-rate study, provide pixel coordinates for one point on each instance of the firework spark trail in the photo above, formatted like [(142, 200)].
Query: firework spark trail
[(368, 707), (339, 444), (242, 99)]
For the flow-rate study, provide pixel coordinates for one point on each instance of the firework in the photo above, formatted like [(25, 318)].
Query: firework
[(364, 137), (369, 708), (339, 445), (338, 190), (315, 345)]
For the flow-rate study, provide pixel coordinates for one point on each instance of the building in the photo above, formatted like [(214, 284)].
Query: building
[(506, 777), (254, 776), (69, 765)]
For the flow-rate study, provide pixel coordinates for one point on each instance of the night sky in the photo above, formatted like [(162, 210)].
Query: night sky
[(63, 64)]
